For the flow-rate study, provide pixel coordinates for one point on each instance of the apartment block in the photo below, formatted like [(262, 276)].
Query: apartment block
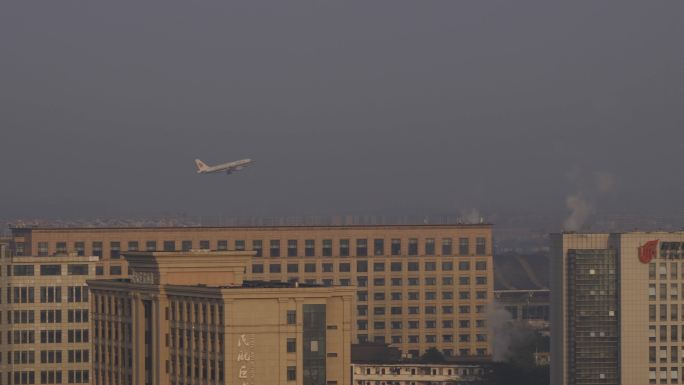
[(191, 318)]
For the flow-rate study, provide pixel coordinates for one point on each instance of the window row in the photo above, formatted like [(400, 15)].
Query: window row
[(48, 294), (364, 266), (47, 377), (362, 310), (362, 296), (362, 247)]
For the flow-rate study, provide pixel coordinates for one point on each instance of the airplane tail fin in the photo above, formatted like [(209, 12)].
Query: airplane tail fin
[(200, 165)]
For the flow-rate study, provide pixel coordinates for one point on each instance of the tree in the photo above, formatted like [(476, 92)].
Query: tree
[(432, 356)]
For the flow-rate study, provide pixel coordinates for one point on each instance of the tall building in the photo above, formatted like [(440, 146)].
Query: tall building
[(191, 318), (417, 286), (45, 331), (617, 315)]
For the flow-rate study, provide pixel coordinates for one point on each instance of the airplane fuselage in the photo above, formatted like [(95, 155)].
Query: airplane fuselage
[(226, 167)]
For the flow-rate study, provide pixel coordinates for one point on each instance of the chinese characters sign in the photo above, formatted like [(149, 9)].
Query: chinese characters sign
[(246, 366)]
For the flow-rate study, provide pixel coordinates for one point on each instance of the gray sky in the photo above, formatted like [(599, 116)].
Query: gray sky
[(347, 106)]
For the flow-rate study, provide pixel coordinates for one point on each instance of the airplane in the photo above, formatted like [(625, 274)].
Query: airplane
[(229, 167)]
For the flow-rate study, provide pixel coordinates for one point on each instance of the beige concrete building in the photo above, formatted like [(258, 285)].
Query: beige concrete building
[(617, 309), (416, 286), (190, 318), (416, 374), (45, 331)]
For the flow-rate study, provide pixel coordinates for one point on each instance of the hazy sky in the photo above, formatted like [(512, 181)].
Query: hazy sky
[(347, 106)]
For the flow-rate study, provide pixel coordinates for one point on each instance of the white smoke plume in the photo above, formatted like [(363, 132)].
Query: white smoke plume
[(506, 332), (471, 216), (582, 204), (580, 210)]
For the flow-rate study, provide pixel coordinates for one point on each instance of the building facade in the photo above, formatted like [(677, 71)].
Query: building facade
[(416, 374), (190, 318), (617, 312), (416, 286), (44, 328)]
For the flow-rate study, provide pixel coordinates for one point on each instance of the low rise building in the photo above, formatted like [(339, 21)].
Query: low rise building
[(191, 317), (416, 374)]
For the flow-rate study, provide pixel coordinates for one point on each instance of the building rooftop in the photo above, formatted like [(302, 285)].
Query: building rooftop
[(265, 227)]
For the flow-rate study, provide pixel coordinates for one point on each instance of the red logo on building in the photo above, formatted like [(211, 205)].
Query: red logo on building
[(648, 251)]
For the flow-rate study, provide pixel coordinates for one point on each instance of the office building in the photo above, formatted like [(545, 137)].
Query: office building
[(617, 312), (191, 318), (45, 332), (417, 286)]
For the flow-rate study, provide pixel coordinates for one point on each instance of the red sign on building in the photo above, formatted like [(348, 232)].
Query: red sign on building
[(648, 251)]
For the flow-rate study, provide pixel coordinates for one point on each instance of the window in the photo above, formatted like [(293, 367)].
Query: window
[(186, 245), (99, 270), (50, 294), (114, 250), (430, 246), (413, 266), (464, 266), (169, 246), (345, 267), (396, 246), (481, 265), (446, 246), (61, 248), (362, 296), (204, 245), (21, 295), (43, 249), (413, 246), (344, 247), (378, 246), (327, 267), (430, 266), (222, 245), (240, 245), (396, 296), (291, 317), (309, 248), (362, 247), (327, 247), (80, 269), (379, 266), (395, 266), (379, 282), (379, 296), (396, 281), (362, 310), (447, 281), (274, 268), (257, 246), (151, 246), (291, 373), (133, 246), (480, 246), (291, 345), (463, 246), (413, 281), (80, 248), (480, 280), (257, 269), (430, 281), (447, 266), (291, 247), (275, 248), (310, 268), (292, 268), (361, 266), (362, 324), (22, 270), (77, 294), (115, 270)]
